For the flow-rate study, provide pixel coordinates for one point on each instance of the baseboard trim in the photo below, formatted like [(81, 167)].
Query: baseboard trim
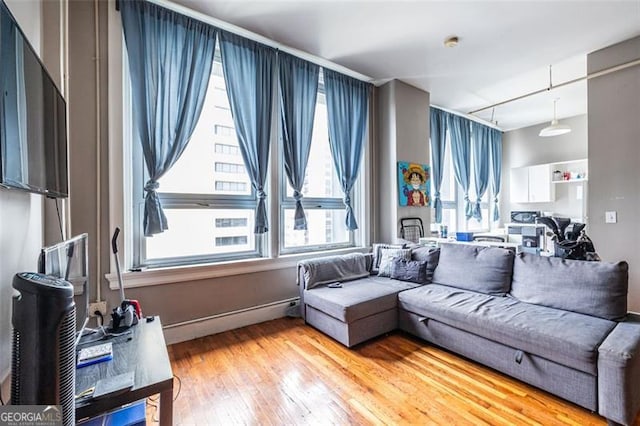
[(193, 329)]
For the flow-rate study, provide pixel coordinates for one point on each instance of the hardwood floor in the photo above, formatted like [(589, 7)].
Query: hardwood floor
[(285, 372)]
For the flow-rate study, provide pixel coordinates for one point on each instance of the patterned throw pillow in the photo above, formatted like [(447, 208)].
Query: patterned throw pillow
[(430, 255), (386, 259), (414, 271), (377, 248)]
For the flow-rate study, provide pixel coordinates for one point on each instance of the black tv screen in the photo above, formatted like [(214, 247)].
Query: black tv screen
[(33, 122)]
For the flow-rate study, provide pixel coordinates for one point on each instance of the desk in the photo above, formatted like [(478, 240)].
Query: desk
[(146, 354), (438, 241)]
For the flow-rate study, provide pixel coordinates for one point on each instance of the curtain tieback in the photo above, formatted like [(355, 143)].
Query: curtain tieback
[(297, 195), (347, 201), (261, 194), (151, 185), (495, 199), (436, 195), (466, 197)]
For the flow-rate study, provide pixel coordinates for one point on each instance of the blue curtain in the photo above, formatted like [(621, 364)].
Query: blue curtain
[(480, 145), (495, 152), (298, 94), (248, 73), (438, 130), (170, 60), (348, 114), (460, 135)]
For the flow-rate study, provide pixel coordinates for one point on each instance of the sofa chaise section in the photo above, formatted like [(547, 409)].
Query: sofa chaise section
[(358, 310)]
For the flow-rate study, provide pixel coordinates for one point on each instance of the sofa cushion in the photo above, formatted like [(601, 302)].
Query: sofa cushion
[(430, 255), (357, 299), (387, 257), (414, 271), (334, 268), (377, 254), (592, 288), (476, 268), (565, 337)]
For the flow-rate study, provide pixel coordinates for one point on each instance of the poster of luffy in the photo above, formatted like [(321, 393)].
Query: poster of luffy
[(413, 184)]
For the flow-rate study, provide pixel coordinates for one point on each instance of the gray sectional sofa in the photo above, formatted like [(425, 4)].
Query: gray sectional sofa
[(560, 325)]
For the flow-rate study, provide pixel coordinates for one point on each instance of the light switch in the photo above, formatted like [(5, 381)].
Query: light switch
[(610, 217)]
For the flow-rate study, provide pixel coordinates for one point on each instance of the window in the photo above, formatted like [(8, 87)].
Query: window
[(453, 213), (210, 203), (231, 241), (231, 222), (220, 95), (222, 148), (322, 196), (448, 195), (474, 224), (223, 186), (221, 130), (230, 168), (207, 195)]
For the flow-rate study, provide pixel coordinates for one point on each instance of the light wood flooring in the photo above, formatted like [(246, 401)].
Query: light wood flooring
[(284, 372)]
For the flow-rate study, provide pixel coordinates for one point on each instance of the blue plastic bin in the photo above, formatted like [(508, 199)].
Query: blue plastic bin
[(464, 236), (130, 415)]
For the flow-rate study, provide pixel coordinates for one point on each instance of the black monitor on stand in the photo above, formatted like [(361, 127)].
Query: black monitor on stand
[(69, 260)]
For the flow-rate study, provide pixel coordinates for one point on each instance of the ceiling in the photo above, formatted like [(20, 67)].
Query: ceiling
[(505, 47)]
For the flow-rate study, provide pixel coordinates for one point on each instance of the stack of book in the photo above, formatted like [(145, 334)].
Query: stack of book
[(95, 354)]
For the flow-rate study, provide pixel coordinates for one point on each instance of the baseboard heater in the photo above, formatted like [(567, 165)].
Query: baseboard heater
[(218, 323)]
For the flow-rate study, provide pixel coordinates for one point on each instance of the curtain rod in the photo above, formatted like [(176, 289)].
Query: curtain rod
[(565, 83), (218, 23), (470, 117)]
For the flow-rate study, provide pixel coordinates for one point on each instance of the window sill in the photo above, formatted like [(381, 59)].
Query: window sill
[(177, 274)]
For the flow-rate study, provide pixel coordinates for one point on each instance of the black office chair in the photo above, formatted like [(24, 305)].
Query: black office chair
[(411, 229)]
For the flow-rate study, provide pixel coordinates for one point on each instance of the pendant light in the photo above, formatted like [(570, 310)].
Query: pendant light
[(555, 128)]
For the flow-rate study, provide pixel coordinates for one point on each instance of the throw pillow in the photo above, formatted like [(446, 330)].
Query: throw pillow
[(430, 255), (334, 268), (414, 271), (377, 255), (386, 258)]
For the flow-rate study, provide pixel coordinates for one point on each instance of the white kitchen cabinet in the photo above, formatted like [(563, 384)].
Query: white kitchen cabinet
[(540, 188), (520, 185), (532, 184)]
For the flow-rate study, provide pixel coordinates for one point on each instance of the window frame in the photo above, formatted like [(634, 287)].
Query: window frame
[(458, 203), (136, 253), (313, 203), (139, 175)]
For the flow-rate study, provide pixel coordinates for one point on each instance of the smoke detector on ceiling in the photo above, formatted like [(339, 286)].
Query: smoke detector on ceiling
[(451, 41)]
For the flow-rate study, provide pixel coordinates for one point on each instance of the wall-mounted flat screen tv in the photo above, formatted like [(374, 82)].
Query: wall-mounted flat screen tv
[(33, 121)]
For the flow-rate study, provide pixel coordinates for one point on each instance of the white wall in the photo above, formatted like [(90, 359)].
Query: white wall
[(21, 227), (614, 129), (402, 128), (523, 147)]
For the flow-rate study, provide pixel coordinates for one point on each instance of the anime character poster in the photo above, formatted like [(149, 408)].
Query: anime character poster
[(413, 184)]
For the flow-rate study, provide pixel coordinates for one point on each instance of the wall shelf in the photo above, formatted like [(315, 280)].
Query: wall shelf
[(570, 180)]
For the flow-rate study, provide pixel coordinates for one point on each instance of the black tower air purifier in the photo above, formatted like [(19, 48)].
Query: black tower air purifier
[(43, 359)]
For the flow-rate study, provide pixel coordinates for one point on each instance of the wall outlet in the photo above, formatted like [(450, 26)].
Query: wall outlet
[(98, 307), (610, 217)]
